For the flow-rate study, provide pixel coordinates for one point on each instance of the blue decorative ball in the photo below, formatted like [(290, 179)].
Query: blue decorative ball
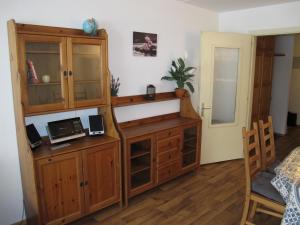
[(90, 27)]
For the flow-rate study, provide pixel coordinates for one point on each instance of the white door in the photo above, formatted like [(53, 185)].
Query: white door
[(226, 77)]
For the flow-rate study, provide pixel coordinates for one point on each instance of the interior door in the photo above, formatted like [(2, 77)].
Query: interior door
[(226, 71)]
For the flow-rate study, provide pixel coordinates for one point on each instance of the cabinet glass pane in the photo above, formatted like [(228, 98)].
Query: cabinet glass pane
[(87, 71), (43, 73), (140, 161), (226, 64), (189, 146)]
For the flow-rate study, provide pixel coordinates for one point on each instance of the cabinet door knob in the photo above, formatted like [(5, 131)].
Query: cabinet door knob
[(81, 184), (70, 73), (65, 73)]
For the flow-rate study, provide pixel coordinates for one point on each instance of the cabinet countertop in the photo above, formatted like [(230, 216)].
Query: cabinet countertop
[(45, 150), (135, 131)]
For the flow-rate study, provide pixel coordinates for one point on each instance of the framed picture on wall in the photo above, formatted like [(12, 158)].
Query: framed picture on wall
[(144, 44)]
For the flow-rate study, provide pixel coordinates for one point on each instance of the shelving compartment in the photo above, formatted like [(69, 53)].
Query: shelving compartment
[(140, 161), (189, 148)]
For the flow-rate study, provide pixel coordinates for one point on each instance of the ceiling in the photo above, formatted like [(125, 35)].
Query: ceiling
[(230, 5)]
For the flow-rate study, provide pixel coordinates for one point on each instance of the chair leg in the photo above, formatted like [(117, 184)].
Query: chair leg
[(245, 211), (253, 210)]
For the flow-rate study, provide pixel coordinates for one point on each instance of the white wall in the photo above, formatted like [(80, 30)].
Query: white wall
[(269, 17), (282, 72), (294, 103), (178, 27)]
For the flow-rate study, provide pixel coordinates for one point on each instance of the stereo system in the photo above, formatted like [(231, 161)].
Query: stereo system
[(96, 125), (63, 130)]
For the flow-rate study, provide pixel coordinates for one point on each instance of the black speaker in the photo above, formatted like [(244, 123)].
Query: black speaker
[(33, 135), (96, 125)]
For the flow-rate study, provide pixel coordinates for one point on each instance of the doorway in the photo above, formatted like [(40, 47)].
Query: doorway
[(277, 80)]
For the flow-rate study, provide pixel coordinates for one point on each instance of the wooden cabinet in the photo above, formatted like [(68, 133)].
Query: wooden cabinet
[(60, 184), (74, 184), (60, 73), (70, 71), (159, 149), (262, 89)]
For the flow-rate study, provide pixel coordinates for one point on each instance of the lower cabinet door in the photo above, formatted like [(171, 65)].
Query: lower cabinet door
[(60, 188), (102, 177)]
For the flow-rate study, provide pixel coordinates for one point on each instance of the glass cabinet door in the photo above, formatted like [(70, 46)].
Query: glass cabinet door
[(42, 70), (86, 71), (140, 164), (190, 145)]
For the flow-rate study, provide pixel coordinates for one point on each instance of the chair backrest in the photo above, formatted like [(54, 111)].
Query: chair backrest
[(252, 152), (267, 143)]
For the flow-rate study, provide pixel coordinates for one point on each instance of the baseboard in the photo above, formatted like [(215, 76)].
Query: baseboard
[(22, 222)]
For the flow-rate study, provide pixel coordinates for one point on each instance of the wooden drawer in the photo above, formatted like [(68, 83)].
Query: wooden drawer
[(168, 144), (168, 133), (167, 172), (168, 156)]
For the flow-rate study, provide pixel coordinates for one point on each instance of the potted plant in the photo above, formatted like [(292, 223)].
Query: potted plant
[(182, 75)]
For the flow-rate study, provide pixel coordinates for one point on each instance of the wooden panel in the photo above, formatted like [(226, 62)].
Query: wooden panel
[(61, 194), (101, 175), (169, 143), (24, 151), (168, 172), (57, 31), (168, 133), (140, 99)]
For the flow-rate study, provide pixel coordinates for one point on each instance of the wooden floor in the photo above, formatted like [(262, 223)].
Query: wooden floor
[(214, 195)]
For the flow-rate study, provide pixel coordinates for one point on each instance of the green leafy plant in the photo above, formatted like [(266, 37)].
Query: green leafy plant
[(114, 86), (181, 74)]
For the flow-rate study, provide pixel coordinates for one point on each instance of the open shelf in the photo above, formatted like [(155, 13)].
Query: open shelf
[(140, 164), (42, 52), (140, 99), (45, 84), (189, 158), (139, 153), (140, 179)]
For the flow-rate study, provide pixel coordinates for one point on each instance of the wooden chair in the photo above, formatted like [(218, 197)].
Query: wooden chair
[(267, 144), (261, 196)]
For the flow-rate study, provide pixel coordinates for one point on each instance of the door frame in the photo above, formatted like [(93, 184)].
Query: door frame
[(255, 34)]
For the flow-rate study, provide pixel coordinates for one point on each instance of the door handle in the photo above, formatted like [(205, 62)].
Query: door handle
[(203, 108)]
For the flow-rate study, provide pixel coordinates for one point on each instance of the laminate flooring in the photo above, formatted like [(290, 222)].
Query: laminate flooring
[(213, 195)]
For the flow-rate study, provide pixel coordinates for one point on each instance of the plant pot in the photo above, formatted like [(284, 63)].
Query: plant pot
[(180, 92)]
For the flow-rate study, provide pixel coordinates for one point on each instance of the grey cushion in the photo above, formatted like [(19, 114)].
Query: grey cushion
[(261, 185), (271, 168)]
